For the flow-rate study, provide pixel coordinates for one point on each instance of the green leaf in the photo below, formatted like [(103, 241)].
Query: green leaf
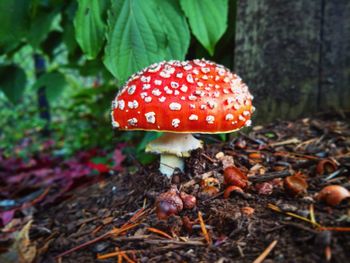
[(40, 26), (135, 37), (89, 26), (12, 82), (208, 20), (14, 21), (54, 81), (176, 28)]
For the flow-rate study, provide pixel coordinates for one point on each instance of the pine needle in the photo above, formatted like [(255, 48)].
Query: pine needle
[(312, 214), (265, 253), (131, 223), (125, 256), (159, 232), (312, 219), (118, 253), (277, 209), (204, 230)]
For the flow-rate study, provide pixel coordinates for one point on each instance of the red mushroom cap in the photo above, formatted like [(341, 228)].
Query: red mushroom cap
[(196, 96)]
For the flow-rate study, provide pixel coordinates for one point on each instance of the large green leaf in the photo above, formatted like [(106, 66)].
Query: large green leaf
[(135, 37), (208, 20), (54, 82), (40, 26), (176, 28), (89, 26), (12, 82), (14, 21)]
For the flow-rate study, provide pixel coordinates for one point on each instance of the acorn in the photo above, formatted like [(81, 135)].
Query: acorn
[(189, 201), (326, 166), (232, 189), (168, 204), (295, 184), (333, 195), (209, 191), (234, 176)]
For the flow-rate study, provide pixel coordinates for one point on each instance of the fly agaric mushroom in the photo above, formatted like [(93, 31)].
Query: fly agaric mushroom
[(180, 98)]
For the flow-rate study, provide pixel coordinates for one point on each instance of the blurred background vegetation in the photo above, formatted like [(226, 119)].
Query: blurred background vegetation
[(62, 62)]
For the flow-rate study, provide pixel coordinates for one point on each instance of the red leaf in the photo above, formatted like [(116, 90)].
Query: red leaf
[(118, 158), (7, 216), (100, 167)]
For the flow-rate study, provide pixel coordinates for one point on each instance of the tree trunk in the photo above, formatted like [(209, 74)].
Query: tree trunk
[(294, 55)]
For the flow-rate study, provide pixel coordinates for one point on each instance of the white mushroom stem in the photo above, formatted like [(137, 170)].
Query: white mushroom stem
[(168, 163), (173, 147)]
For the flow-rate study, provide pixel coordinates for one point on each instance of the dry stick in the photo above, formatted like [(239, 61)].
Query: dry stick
[(146, 239), (265, 253), (269, 176), (286, 142), (208, 158), (296, 225), (297, 155), (175, 242)]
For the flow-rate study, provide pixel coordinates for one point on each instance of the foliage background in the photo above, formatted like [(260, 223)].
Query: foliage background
[(62, 62)]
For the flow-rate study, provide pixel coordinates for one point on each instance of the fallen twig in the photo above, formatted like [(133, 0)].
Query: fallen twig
[(286, 142), (269, 176), (175, 242), (300, 226)]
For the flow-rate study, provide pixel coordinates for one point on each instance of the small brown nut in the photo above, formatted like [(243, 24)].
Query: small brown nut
[(168, 204), (232, 189), (295, 184), (234, 176), (326, 166), (333, 194), (188, 200)]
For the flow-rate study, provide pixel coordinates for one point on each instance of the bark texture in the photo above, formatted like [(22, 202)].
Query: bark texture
[(294, 55)]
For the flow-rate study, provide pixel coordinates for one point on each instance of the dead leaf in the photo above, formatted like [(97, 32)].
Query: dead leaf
[(22, 250)]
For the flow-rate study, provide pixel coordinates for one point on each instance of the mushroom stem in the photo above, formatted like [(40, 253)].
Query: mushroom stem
[(169, 162), (173, 147)]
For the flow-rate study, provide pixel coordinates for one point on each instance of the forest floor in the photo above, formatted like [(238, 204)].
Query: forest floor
[(273, 219)]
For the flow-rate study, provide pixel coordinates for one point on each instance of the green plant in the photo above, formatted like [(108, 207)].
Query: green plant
[(92, 47)]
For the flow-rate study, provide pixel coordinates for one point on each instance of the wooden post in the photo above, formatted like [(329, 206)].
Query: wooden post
[(290, 52)]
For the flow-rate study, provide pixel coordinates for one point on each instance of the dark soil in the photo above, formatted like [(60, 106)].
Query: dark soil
[(279, 149)]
